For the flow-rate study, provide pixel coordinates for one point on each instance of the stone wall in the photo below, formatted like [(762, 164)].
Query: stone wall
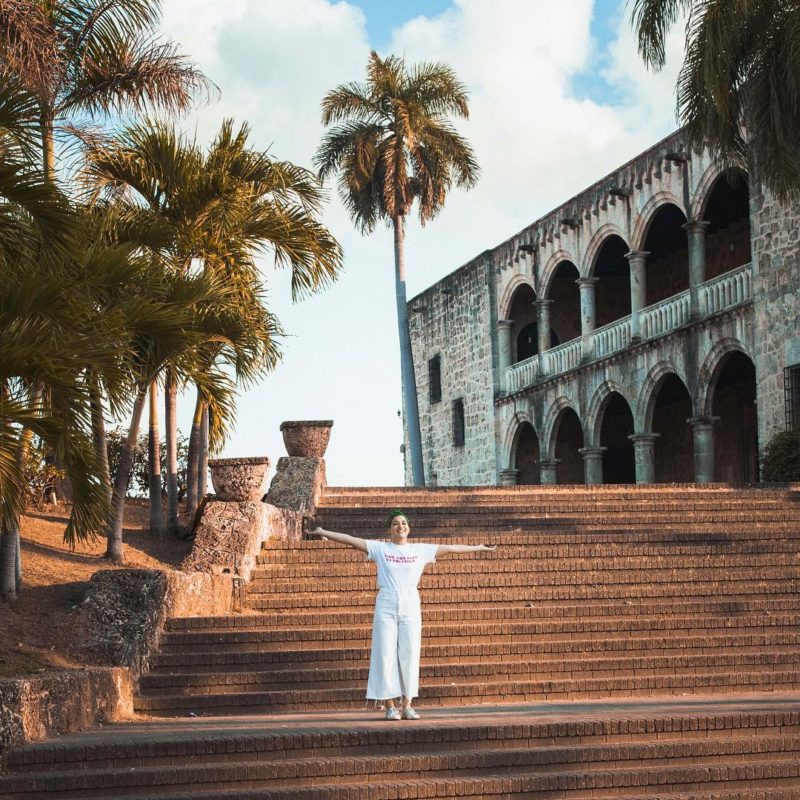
[(455, 319), (776, 259)]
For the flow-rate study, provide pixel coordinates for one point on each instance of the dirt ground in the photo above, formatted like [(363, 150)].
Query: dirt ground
[(34, 631)]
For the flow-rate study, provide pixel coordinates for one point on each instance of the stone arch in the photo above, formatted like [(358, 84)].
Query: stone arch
[(645, 403), (524, 451), (550, 268), (704, 188), (645, 217), (594, 246), (549, 428), (597, 404), (511, 435), (513, 285), (710, 370)]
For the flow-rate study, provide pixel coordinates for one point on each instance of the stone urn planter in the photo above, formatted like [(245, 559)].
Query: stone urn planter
[(239, 479), (306, 438)]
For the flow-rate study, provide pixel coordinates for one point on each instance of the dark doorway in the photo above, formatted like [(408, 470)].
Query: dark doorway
[(569, 440), (668, 262), (527, 455), (736, 430), (619, 465), (613, 288), (674, 448)]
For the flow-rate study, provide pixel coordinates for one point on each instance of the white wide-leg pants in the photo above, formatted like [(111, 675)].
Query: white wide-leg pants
[(396, 641)]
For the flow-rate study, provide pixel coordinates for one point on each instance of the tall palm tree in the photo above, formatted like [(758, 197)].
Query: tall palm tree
[(738, 90), (83, 58), (392, 144)]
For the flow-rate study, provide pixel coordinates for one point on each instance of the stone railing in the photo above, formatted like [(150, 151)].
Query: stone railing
[(522, 374), (666, 315), (563, 358), (728, 290), (612, 337)]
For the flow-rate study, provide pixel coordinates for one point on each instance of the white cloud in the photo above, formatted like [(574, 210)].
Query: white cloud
[(537, 143)]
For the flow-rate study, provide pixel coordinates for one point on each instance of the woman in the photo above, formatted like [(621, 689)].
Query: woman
[(397, 624)]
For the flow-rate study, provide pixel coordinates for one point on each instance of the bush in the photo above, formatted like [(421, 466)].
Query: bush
[(780, 459), (138, 482)]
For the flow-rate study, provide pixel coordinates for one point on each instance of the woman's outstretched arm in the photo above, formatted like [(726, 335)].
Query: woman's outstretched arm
[(444, 549), (344, 538)]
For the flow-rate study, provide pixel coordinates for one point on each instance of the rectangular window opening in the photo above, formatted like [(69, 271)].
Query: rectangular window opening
[(791, 395), (435, 379), (458, 423)]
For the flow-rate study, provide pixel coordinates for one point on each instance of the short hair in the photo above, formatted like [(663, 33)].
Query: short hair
[(395, 512)]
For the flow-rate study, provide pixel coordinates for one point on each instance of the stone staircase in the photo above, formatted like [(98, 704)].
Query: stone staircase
[(637, 642)]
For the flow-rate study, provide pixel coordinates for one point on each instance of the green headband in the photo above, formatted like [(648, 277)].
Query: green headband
[(395, 512)]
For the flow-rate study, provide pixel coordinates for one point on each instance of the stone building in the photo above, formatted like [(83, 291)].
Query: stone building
[(644, 331)]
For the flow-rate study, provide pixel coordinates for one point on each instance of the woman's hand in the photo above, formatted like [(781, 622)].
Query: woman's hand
[(489, 547), (318, 532)]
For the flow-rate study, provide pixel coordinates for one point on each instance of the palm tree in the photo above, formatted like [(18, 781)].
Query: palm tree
[(218, 210), (394, 144), (738, 90), (82, 58)]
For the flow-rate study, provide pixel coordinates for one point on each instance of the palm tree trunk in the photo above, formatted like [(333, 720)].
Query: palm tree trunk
[(192, 466), (202, 461), (114, 531), (408, 379), (99, 430), (171, 424), (10, 554), (154, 464)]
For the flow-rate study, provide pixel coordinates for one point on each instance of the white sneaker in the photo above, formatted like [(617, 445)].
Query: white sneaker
[(392, 713), (409, 713)]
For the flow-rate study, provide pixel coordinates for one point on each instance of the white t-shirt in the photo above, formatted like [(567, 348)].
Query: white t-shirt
[(400, 566)]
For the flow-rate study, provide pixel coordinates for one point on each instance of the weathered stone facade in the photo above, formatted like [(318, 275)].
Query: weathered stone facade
[(639, 332)]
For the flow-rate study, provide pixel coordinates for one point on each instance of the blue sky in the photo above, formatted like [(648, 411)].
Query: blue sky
[(558, 98)]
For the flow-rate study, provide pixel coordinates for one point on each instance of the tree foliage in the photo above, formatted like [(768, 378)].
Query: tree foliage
[(738, 90)]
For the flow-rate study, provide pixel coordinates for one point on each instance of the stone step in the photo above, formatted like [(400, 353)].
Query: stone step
[(337, 656), (519, 595), (501, 631), (467, 693), (540, 550), (673, 575), (535, 565), (719, 605), (283, 737), (658, 763), (184, 682)]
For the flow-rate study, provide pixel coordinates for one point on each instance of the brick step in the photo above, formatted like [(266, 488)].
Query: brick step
[(500, 631), (160, 682), (541, 550), (477, 596), (534, 563), (469, 693), (574, 534), (779, 753), (722, 578), (333, 656), (366, 733), (391, 496), (729, 606)]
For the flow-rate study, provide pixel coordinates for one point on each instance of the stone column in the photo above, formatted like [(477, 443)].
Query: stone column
[(643, 453), (548, 471), (703, 434), (696, 235), (588, 316), (509, 477), (592, 464), (543, 329), (637, 259), (505, 350)]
